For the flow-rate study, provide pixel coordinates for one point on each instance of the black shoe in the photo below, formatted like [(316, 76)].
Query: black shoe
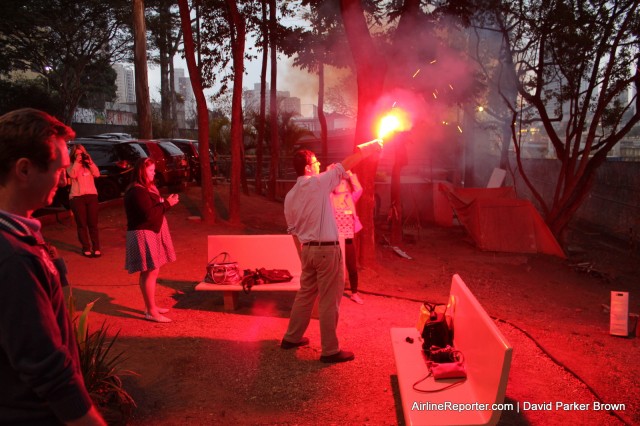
[(342, 356), (290, 345), (87, 253), (97, 253)]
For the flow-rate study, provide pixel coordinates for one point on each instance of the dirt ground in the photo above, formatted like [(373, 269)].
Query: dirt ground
[(214, 367)]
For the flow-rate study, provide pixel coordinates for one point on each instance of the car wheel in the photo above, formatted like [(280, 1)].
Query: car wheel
[(107, 189)]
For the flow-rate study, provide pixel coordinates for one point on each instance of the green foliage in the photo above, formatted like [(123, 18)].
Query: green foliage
[(101, 367), (64, 41), (28, 94), (568, 68), (100, 85)]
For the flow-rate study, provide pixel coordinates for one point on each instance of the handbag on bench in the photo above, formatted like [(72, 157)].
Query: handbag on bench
[(222, 270)]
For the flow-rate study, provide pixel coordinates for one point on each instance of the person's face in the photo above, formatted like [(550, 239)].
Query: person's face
[(314, 166), (45, 183), (151, 172), (342, 188)]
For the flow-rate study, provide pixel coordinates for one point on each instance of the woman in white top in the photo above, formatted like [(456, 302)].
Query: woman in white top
[(343, 199), (83, 199)]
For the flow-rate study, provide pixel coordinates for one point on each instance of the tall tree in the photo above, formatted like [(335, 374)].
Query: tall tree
[(414, 41), (264, 31), (166, 37), (323, 44), (371, 71), (273, 102), (195, 75), (575, 64), (237, 26), (143, 101), (63, 41)]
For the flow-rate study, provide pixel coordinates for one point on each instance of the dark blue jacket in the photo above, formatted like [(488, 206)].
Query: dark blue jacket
[(40, 377)]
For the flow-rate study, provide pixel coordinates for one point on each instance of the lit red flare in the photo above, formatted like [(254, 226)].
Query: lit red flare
[(395, 120)]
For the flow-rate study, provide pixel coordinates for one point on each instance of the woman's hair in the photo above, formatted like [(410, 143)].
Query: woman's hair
[(302, 159), (74, 150), (347, 182), (139, 175)]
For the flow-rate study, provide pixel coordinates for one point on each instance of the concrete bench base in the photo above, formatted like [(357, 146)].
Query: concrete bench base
[(230, 292)]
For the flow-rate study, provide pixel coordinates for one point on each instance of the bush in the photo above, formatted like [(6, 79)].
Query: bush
[(101, 368)]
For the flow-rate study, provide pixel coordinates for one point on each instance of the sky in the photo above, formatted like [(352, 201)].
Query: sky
[(299, 83)]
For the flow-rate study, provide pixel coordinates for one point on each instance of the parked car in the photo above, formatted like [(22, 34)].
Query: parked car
[(172, 167), (115, 160), (118, 136), (191, 149)]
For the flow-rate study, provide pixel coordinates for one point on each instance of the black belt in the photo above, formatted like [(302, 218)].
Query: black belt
[(321, 243)]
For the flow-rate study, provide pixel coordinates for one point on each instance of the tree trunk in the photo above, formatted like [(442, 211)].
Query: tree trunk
[(370, 70), (273, 103), (321, 116), (237, 26), (208, 207), (140, 61), (263, 83), (165, 90)]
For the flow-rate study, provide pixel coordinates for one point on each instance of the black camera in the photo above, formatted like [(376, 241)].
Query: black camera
[(85, 157)]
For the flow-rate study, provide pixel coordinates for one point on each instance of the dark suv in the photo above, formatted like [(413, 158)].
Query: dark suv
[(177, 163), (172, 167), (190, 148), (115, 160)]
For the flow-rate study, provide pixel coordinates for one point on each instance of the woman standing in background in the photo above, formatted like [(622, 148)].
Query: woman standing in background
[(83, 198), (149, 244), (343, 199)]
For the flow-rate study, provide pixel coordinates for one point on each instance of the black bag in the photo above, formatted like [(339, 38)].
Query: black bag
[(221, 270), (264, 276), (436, 329), (275, 275)]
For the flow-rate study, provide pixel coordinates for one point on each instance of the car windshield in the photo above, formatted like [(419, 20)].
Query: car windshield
[(132, 150), (171, 148), (101, 154)]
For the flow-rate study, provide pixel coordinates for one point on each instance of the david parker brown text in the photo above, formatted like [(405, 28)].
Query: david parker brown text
[(518, 406)]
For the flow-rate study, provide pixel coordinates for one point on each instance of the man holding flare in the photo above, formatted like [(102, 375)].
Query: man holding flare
[(310, 219)]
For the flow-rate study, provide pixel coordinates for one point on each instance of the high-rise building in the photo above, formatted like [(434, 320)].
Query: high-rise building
[(183, 88), (285, 101), (125, 83)]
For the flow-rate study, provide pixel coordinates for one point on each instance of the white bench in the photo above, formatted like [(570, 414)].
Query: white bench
[(252, 252), (487, 357)]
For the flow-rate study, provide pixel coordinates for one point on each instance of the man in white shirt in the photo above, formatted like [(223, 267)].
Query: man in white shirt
[(310, 220)]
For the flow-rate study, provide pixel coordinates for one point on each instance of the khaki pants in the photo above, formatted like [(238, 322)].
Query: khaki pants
[(322, 276)]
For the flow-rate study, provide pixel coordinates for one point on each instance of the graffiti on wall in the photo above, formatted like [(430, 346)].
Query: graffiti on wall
[(92, 116)]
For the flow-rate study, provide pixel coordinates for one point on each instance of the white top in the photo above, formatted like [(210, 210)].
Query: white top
[(82, 182), (308, 210)]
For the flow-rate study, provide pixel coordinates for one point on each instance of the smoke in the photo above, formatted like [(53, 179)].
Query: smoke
[(304, 85)]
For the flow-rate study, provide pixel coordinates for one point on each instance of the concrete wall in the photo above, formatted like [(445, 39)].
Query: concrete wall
[(612, 206)]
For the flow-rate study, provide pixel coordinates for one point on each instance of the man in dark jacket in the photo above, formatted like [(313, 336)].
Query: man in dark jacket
[(40, 378)]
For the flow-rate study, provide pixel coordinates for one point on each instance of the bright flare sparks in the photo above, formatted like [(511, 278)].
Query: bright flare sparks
[(394, 121)]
